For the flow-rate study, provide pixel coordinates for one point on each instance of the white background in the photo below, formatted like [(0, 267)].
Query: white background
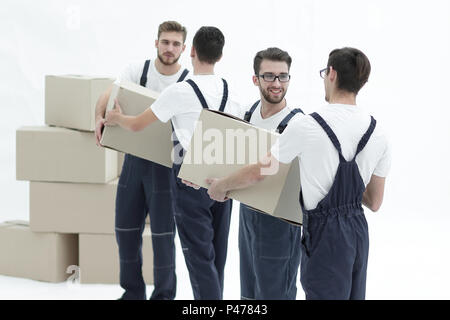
[(407, 42)]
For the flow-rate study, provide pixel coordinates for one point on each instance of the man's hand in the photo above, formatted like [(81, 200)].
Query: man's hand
[(190, 184), (98, 130), (112, 116), (216, 190)]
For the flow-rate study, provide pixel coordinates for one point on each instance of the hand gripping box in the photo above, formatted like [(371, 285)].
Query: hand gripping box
[(152, 143), (70, 100), (222, 144), (36, 256), (62, 155), (99, 258), (72, 207)]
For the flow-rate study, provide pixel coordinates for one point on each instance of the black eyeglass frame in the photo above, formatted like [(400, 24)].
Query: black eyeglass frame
[(275, 77)]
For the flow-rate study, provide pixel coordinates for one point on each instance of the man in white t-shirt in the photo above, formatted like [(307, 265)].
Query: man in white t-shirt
[(203, 224), (344, 160), (269, 248), (144, 186)]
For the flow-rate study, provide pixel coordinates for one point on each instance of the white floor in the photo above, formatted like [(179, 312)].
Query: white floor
[(409, 259)]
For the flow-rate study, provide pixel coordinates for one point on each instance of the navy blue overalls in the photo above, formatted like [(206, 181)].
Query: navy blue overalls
[(145, 187), (335, 241), (269, 248), (203, 226)]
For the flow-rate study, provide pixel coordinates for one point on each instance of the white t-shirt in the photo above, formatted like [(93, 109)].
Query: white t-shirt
[(304, 138), (180, 104), (270, 123), (155, 80)]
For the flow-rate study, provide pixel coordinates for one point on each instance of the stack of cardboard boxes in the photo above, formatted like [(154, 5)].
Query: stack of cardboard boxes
[(73, 187)]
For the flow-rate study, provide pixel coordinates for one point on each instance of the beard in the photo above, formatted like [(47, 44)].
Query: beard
[(266, 94), (168, 61)]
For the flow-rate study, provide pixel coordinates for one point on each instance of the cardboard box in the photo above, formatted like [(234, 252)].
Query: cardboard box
[(72, 207), (99, 258), (222, 144), (62, 155), (36, 256), (70, 100), (154, 142)]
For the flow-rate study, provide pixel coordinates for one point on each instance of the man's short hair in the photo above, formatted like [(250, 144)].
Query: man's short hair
[(352, 67), (272, 54), (172, 26), (208, 43)]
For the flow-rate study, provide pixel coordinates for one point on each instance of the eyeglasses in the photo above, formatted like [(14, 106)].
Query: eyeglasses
[(323, 73), (270, 77)]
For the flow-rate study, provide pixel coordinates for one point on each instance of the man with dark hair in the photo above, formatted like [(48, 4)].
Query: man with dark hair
[(209, 45), (203, 224), (344, 159), (269, 247), (143, 186)]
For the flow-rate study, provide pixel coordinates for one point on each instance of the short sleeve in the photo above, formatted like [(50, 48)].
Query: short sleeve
[(129, 73), (234, 105), (384, 164), (167, 105), (287, 147)]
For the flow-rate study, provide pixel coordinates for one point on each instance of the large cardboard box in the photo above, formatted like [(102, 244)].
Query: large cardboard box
[(222, 144), (72, 207), (36, 256), (62, 155), (99, 258), (70, 100), (154, 142)]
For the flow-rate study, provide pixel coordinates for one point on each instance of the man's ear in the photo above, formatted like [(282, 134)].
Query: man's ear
[(193, 53), (332, 74), (255, 80), (156, 43)]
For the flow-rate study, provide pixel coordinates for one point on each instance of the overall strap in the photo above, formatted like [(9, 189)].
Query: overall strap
[(202, 98), (249, 113), (144, 73), (183, 75), (365, 138), (225, 96), (283, 124), (198, 93), (330, 134)]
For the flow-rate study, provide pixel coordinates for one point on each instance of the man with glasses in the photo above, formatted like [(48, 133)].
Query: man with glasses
[(269, 248), (344, 160), (144, 186)]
